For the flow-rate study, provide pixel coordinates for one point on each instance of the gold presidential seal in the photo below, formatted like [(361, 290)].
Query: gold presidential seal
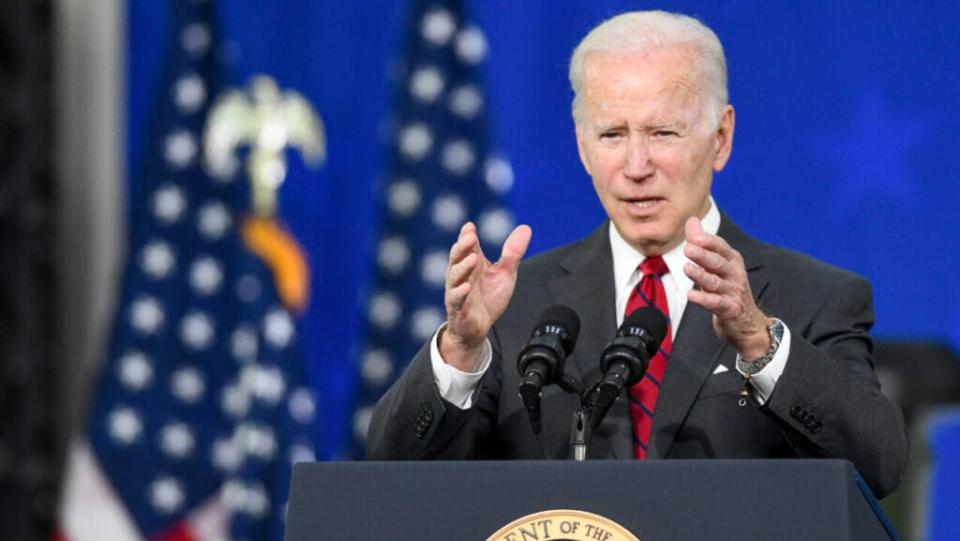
[(563, 525)]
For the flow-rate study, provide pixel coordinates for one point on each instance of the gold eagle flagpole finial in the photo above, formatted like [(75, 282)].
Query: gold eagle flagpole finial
[(267, 121)]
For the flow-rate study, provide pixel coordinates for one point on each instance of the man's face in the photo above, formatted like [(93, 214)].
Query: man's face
[(650, 146)]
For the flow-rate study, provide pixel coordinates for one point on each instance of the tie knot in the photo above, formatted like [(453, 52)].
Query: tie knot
[(653, 266)]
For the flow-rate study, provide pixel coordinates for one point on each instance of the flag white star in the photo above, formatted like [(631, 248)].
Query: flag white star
[(124, 425), (302, 406), (157, 259), (135, 370), (180, 149), (166, 494), (415, 141), (425, 322), (189, 93), (195, 39), (235, 401), (177, 440), (404, 198), (187, 385), (226, 456), (465, 101), (278, 328), (206, 275), (426, 84), (146, 315), (495, 225), (257, 502), (257, 440), (376, 367), (361, 422), (438, 26), (458, 157), (498, 174), (433, 268), (471, 45), (243, 343), (197, 330), (213, 220), (393, 254), (265, 383), (449, 212), (384, 310), (302, 452), (169, 203)]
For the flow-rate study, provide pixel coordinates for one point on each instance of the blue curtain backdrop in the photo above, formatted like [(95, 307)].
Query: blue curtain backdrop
[(846, 141)]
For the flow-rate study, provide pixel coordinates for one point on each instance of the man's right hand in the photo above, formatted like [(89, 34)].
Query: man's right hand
[(477, 293)]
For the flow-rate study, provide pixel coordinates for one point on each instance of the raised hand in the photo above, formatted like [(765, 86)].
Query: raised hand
[(719, 272), (477, 292)]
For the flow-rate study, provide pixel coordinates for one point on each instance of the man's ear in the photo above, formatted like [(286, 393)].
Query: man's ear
[(724, 138)]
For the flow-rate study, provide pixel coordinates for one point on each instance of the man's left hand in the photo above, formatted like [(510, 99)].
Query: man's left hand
[(722, 288)]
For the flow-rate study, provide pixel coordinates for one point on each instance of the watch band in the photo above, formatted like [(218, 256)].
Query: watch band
[(749, 368)]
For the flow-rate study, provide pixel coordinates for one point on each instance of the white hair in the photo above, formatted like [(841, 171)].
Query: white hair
[(646, 31)]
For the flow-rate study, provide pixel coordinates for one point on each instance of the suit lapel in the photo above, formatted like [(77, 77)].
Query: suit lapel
[(587, 286), (697, 350)]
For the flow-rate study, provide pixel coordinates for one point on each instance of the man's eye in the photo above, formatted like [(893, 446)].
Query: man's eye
[(610, 135), (664, 133)]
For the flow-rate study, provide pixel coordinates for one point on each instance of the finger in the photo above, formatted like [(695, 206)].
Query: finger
[(695, 234), (466, 244), (461, 271), (712, 302), (708, 260), (703, 279), (468, 227), (515, 246), (720, 246), (692, 228), (455, 297)]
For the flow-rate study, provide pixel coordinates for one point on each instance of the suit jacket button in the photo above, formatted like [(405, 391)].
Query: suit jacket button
[(796, 412)]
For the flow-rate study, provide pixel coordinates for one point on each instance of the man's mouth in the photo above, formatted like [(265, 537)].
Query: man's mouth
[(645, 203)]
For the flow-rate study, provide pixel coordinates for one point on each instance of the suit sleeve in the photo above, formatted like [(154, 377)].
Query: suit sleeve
[(828, 398), (412, 421)]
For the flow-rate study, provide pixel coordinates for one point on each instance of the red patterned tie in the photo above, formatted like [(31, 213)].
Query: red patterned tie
[(643, 395)]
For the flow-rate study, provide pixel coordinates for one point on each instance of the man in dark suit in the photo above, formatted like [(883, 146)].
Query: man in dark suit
[(653, 125)]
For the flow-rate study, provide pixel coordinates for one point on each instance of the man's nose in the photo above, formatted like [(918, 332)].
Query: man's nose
[(637, 163)]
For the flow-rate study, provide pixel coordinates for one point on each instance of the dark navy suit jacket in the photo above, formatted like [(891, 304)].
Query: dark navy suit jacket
[(827, 402)]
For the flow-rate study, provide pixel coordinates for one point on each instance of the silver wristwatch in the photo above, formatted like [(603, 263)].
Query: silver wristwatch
[(776, 335)]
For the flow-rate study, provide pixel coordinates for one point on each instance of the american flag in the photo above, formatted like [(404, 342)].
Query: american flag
[(203, 401), (442, 173)]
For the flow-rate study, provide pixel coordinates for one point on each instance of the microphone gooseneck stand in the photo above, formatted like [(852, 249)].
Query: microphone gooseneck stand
[(580, 426)]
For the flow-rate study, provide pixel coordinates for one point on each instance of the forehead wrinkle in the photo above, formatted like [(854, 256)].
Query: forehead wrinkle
[(670, 92), (602, 118)]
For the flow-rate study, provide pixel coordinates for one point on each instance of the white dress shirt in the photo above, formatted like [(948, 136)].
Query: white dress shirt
[(457, 386)]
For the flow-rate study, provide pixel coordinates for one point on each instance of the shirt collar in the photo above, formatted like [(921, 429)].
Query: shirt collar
[(626, 258)]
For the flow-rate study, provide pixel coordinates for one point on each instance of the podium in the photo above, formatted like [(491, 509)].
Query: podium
[(659, 500)]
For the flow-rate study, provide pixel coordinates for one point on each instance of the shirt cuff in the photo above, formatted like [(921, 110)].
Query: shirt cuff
[(764, 381), (456, 386)]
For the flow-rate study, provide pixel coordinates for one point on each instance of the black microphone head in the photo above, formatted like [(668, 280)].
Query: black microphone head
[(561, 320), (650, 324)]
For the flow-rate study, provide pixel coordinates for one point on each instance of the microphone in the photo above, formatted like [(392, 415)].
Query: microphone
[(540, 362), (625, 359)]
